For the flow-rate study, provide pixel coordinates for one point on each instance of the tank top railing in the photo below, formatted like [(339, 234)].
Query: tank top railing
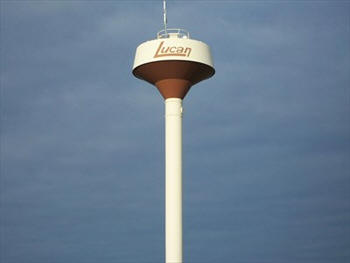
[(173, 32)]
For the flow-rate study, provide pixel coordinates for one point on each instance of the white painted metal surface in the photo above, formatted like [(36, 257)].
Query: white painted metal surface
[(173, 48), (173, 180)]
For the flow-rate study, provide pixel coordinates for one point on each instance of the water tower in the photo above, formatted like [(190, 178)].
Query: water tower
[(173, 63)]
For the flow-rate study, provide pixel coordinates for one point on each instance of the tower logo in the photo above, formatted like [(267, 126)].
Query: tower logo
[(163, 51)]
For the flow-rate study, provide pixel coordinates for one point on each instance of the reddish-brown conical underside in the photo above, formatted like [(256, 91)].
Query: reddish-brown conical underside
[(173, 78)]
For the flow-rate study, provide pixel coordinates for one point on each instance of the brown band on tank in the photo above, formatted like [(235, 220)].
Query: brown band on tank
[(173, 88), (173, 78)]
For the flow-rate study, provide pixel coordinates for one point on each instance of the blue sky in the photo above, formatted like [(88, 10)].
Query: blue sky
[(266, 140)]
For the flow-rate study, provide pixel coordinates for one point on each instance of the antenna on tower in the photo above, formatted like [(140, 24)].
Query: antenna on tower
[(165, 17)]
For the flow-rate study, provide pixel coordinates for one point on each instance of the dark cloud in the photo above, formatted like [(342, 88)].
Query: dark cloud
[(266, 141)]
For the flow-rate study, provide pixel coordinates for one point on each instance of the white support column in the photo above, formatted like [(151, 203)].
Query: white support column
[(173, 180)]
